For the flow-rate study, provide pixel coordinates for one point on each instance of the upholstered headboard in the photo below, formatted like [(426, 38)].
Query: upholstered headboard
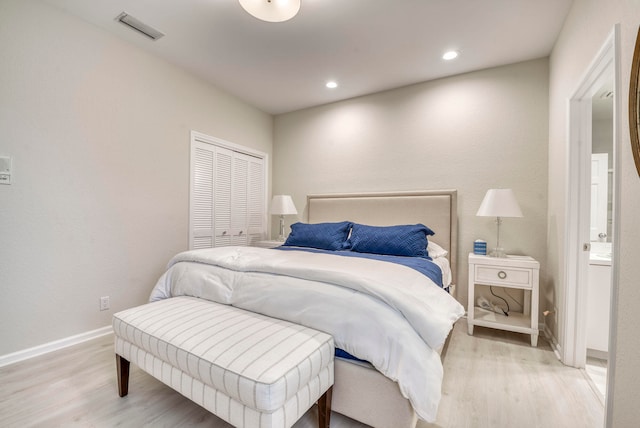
[(436, 209)]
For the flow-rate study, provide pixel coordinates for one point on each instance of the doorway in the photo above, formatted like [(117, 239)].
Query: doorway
[(601, 77), (600, 236)]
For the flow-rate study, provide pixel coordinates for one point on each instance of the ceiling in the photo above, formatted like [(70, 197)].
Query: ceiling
[(602, 102), (366, 46)]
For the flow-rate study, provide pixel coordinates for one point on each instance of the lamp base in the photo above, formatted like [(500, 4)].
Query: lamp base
[(281, 235), (498, 252)]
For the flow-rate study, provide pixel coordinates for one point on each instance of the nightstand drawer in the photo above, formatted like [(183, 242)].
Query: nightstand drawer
[(496, 275)]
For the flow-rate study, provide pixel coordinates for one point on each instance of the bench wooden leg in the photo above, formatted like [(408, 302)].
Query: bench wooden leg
[(324, 409), (122, 366)]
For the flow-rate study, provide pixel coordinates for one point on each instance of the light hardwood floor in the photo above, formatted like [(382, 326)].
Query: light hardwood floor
[(492, 379)]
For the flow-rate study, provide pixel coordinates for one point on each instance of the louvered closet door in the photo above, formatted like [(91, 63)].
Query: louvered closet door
[(239, 203), (256, 203), (201, 212), (227, 197), (247, 202)]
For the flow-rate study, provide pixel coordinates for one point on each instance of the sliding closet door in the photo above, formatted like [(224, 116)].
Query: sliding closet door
[(227, 197)]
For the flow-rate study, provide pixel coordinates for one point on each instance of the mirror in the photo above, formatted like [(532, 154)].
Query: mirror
[(634, 119)]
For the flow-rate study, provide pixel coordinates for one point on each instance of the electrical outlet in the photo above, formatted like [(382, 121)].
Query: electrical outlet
[(104, 303)]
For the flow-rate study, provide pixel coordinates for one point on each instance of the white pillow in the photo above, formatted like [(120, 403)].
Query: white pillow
[(436, 250)]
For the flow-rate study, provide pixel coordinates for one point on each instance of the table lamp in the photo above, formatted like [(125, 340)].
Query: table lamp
[(282, 205), (499, 203)]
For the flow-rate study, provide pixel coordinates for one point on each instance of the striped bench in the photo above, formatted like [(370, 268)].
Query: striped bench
[(248, 369)]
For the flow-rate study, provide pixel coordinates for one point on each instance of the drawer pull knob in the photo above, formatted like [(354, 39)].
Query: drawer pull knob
[(502, 274)]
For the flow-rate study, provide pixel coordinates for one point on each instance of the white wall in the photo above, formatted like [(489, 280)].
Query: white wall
[(470, 132), (99, 134), (602, 138), (585, 31)]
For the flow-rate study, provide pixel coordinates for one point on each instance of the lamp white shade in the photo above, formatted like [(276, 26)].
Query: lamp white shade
[(271, 10), (499, 203), (283, 205)]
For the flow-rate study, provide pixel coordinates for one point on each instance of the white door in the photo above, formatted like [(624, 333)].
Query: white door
[(599, 195), (201, 198), (227, 196), (256, 209), (222, 197)]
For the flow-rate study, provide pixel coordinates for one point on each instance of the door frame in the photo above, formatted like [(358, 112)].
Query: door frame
[(605, 64)]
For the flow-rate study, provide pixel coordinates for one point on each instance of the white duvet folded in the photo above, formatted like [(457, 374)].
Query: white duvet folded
[(390, 315)]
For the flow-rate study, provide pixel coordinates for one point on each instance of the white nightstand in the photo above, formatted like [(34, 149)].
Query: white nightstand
[(521, 272), (268, 244)]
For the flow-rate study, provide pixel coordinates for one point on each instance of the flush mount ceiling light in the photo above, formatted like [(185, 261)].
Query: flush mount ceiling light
[(450, 55), (271, 10), (331, 84)]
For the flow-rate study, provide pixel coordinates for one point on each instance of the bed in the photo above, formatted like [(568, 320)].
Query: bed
[(390, 321)]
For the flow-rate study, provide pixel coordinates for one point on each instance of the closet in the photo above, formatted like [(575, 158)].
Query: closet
[(227, 195)]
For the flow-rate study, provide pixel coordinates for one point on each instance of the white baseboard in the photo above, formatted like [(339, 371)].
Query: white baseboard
[(596, 353), (25, 354), (555, 346)]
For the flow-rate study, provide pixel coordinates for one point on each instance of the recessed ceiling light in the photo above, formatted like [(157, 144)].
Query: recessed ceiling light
[(331, 84), (450, 55)]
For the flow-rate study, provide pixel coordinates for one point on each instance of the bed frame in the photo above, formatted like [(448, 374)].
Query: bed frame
[(360, 392)]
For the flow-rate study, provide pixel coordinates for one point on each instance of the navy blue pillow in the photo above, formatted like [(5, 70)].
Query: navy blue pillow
[(325, 236), (402, 240)]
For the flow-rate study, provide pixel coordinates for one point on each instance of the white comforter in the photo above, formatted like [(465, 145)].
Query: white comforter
[(390, 315)]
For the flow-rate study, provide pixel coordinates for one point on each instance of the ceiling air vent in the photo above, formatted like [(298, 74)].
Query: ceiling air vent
[(139, 26)]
